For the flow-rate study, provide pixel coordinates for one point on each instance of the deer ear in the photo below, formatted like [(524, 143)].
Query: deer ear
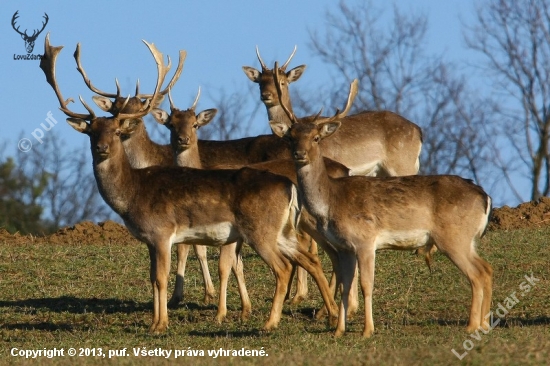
[(328, 128), (103, 102), (279, 128), (160, 115), (252, 73), (295, 73), (79, 124), (204, 117)]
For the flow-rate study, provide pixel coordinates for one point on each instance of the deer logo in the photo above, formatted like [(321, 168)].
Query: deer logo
[(29, 40)]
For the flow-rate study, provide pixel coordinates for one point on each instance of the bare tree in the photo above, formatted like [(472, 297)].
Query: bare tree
[(235, 117), (514, 38), (70, 194), (395, 74)]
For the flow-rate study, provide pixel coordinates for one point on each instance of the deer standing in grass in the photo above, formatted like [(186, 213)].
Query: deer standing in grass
[(144, 152), (359, 215), (165, 205), (372, 143), (184, 125), (184, 153)]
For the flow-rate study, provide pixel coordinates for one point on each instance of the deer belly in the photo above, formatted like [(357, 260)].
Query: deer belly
[(213, 235), (402, 240)]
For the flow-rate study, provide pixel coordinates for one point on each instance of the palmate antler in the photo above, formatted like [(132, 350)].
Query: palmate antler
[(175, 78), (354, 87), (47, 64)]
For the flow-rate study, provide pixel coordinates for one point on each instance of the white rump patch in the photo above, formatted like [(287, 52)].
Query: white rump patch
[(485, 218), (286, 239), (370, 169), (212, 235), (402, 240)]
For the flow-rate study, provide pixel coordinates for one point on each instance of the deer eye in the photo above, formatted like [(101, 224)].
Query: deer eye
[(196, 126), (317, 138), (117, 132)]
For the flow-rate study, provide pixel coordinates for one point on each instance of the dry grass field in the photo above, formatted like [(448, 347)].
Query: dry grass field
[(87, 289)]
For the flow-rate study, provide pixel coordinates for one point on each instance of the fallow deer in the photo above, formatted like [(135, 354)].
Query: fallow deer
[(359, 215), (144, 152), (376, 143), (372, 143), (165, 205), (183, 126)]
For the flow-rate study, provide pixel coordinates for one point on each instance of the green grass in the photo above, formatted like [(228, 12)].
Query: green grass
[(99, 296)]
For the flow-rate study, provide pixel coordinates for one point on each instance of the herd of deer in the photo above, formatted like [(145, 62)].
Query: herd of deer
[(347, 182)]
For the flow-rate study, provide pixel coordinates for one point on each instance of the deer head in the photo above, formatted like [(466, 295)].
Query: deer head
[(183, 124), (268, 91), (29, 40), (103, 131), (306, 133)]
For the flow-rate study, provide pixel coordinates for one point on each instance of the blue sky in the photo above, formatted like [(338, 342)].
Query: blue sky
[(219, 37)]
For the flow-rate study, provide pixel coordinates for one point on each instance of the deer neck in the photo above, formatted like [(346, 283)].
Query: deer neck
[(189, 158), (314, 186), (116, 182), (276, 113), (141, 150)]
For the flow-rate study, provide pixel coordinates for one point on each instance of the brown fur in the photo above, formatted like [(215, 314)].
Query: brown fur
[(183, 126), (358, 215), (155, 202)]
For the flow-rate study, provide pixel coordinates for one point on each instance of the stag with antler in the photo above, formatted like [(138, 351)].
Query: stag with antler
[(360, 215), (29, 40), (142, 152), (166, 205)]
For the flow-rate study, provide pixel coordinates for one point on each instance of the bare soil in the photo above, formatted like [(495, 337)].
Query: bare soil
[(534, 214)]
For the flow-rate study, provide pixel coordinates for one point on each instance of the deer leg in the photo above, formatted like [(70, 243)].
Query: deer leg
[(332, 284), (365, 257), (479, 276), (238, 271), (224, 268), (354, 295), (312, 265), (305, 241), (346, 270), (182, 253), (209, 291), (281, 268), (230, 261), (159, 254)]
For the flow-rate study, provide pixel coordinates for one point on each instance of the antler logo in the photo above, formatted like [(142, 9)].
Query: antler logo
[(29, 40)]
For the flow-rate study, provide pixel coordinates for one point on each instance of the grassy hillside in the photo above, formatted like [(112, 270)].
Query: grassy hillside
[(98, 296)]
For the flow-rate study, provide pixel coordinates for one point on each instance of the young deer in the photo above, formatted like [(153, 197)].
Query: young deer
[(187, 156), (144, 152), (166, 205), (359, 215), (374, 143), (183, 126), (377, 143)]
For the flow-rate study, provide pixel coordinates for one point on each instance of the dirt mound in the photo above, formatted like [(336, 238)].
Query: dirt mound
[(533, 214), (82, 233), (88, 232), (527, 215)]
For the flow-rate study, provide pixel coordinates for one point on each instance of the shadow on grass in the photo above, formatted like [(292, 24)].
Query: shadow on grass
[(506, 322), (50, 327), (234, 334), (75, 305)]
